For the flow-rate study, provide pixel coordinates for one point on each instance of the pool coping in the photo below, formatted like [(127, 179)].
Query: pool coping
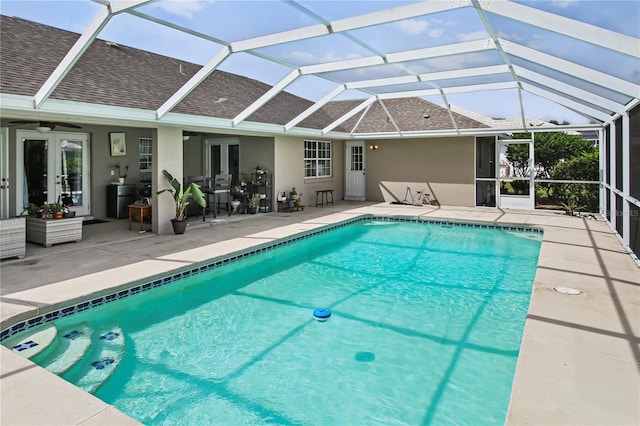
[(521, 409)]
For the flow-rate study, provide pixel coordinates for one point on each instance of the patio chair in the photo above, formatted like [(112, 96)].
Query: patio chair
[(221, 186)]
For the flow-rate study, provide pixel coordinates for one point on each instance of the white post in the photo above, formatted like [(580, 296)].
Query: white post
[(612, 175), (167, 155), (626, 180), (532, 173), (603, 171)]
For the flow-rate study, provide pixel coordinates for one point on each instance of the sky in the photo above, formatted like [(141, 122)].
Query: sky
[(238, 20)]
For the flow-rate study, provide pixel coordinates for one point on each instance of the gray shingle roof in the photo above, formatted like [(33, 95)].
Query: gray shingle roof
[(123, 76)]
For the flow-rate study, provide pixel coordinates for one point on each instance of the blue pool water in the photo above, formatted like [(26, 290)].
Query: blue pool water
[(426, 326)]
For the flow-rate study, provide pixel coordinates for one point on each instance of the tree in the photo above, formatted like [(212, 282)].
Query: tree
[(550, 149), (559, 156), (583, 167)]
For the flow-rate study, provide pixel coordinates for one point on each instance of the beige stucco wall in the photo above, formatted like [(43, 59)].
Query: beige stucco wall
[(193, 151), (256, 151), (442, 167), (289, 167)]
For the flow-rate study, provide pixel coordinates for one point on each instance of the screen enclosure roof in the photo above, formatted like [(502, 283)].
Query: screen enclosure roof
[(572, 62)]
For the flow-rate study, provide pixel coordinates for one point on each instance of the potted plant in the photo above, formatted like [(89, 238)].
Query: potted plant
[(32, 210), (181, 199), (47, 211), (254, 204), (122, 172), (293, 195), (58, 209)]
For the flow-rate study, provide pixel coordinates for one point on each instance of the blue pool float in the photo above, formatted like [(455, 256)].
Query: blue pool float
[(321, 314)]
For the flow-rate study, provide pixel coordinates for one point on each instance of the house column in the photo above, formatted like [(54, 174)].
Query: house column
[(167, 155)]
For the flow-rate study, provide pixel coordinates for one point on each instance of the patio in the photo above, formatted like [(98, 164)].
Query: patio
[(579, 359)]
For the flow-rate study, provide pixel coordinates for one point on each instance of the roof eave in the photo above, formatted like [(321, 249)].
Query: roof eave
[(20, 106)]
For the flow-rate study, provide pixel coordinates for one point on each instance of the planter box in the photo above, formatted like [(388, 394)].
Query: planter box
[(54, 231), (13, 237)]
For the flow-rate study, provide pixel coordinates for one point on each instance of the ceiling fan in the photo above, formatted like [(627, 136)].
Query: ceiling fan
[(46, 126)]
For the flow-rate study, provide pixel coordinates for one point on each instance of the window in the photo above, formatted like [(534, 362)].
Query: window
[(144, 150), (317, 159), (357, 158)]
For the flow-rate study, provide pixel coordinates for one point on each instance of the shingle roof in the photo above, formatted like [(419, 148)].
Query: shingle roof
[(500, 123), (108, 74)]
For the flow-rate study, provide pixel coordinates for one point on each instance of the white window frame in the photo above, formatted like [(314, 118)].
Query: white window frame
[(145, 159), (318, 156)]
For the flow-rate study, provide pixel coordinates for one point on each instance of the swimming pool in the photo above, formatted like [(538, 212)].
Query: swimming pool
[(426, 325)]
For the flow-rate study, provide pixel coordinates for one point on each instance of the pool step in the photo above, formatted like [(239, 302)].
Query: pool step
[(34, 343), (73, 344), (100, 362), (77, 353)]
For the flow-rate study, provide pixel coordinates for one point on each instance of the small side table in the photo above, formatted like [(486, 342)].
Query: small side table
[(324, 195), (140, 211)]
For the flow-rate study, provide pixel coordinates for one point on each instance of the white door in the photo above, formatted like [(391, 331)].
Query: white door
[(5, 182), (515, 174), (55, 167), (222, 156), (355, 171)]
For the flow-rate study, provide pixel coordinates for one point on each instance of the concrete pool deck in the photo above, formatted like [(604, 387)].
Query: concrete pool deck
[(579, 361)]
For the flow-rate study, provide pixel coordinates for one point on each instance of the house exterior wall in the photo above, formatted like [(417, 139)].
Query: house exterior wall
[(193, 151), (256, 151), (442, 167), (289, 169), (102, 163)]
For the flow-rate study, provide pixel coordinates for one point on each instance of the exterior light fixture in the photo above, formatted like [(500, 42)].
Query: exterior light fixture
[(43, 129), (373, 147), (185, 138)]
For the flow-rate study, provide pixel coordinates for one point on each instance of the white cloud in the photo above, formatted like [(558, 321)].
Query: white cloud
[(512, 37), (435, 33), (476, 35), (563, 4), (185, 9), (412, 26), (305, 57)]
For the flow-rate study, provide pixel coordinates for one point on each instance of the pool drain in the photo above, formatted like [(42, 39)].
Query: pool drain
[(568, 290), (365, 356)]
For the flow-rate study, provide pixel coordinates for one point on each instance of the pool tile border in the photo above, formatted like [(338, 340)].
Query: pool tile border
[(120, 294)]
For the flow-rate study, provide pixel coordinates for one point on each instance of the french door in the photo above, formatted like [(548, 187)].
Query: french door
[(55, 166), (5, 182), (222, 156)]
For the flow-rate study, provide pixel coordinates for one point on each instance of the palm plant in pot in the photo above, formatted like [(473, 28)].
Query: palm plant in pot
[(181, 199)]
